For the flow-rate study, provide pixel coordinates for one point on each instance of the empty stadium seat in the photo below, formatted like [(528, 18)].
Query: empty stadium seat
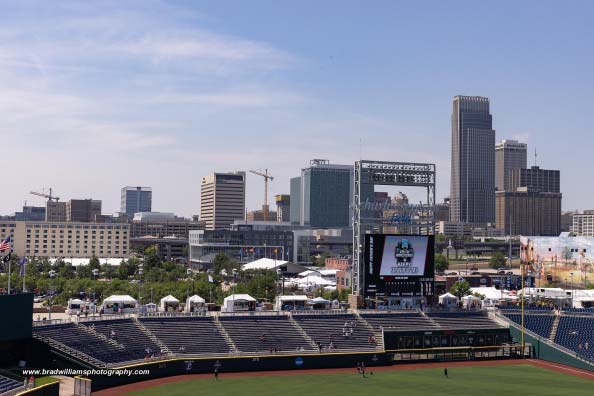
[(261, 333), (329, 328), (577, 333), (8, 384), (540, 324), (192, 335)]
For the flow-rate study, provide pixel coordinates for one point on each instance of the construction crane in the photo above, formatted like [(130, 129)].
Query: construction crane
[(43, 194), (266, 177)]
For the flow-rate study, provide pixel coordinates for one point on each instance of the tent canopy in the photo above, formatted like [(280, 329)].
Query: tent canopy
[(119, 298), (169, 299), (263, 264), (314, 280), (293, 298), (195, 299), (239, 297), (320, 300)]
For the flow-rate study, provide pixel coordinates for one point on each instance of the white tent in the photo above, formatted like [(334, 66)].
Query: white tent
[(293, 302), (320, 303), (238, 302), (119, 304), (76, 261), (194, 301), (471, 301), (314, 280), (308, 273), (263, 264), (448, 300), (168, 302)]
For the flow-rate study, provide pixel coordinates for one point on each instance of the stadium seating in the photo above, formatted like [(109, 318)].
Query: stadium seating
[(462, 320), (8, 384), (580, 310), (577, 333), (261, 333), (193, 335), (540, 324), (400, 321), (125, 332), (77, 338), (324, 329)]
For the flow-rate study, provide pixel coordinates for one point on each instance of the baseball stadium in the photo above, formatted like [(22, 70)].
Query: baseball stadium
[(396, 336)]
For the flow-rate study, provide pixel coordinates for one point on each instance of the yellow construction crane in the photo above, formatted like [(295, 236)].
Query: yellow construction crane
[(43, 194), (266, 177)]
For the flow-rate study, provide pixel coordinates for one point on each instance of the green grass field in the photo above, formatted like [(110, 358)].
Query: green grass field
[(504, 380)]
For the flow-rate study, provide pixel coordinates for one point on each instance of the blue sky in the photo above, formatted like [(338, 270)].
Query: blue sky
[(98, 95)]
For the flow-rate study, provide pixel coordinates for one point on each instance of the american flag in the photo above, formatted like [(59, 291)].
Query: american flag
[(5, 244)]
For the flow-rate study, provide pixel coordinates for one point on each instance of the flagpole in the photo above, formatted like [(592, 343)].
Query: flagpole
[(9, 274), (24, 274)]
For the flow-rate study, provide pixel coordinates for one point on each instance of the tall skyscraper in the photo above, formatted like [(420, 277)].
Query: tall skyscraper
[(222, 199), (135, 200), (472, 190), (322, 196), (509, 154)]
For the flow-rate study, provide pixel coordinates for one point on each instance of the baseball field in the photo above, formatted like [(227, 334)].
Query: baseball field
[(489, 379)]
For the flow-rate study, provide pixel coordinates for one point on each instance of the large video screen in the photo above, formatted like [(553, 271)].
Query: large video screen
[(399, 265)]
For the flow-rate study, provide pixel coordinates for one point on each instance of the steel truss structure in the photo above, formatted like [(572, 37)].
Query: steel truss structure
[(370, 218)]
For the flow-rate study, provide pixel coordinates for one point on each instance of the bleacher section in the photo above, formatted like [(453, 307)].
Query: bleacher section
[(399, 321), (325, 329), (77, 338), (136, 344), (263, 333), (462, 320), (540, 324), (8, 384), (577, 333), (113, 341), (193, 335)]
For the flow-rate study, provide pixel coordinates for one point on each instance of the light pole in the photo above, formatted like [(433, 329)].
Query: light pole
[(571, 277), (466, 265), (279, 272), (52, 274)]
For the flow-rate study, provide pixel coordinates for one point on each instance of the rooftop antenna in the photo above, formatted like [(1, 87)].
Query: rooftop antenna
[(535, 157)]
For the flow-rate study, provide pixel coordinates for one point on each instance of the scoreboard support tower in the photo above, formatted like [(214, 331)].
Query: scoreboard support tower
[(419, 218)]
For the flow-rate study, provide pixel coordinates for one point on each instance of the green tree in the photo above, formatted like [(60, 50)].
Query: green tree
[(441, 263), (460, 289), (497, 260), (94, 263), (224, 262), (151, 258)]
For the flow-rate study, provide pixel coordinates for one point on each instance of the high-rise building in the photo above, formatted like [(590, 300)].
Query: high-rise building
[(472, 190), (283, 207), (222, 199), (532, 213), (509, 154), (295, 209), (325, 194), (83, 210), (55, 212), (135, 200), (536, 179)]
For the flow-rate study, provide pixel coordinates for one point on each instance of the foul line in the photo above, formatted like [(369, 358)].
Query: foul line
[(582, 372)]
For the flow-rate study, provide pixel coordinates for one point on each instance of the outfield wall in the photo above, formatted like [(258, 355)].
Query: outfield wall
[(166, 368)]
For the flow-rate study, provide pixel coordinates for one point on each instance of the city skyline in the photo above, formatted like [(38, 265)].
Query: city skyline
[(103, 95)]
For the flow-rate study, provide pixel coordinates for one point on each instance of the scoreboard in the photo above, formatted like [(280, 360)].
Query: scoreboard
[(399, 266)]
